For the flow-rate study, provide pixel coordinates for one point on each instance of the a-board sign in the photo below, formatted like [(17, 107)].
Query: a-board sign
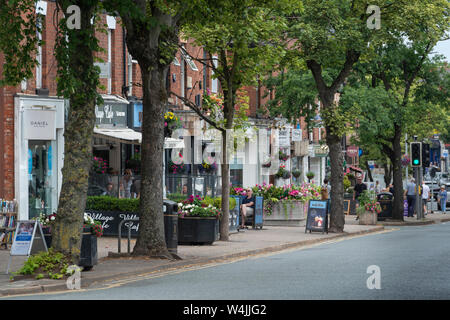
[(28, 239), (347, 206), (317, 219)]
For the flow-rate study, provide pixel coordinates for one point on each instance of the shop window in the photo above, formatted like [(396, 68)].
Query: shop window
[(42, 181)]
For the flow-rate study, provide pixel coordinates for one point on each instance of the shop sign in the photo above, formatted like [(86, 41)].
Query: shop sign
[(111, 115), (296, 134), (39, 124), (137, 115), (283, 138), (321, 151), (352, 151)]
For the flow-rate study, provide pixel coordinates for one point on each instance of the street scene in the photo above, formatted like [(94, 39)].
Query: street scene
[(224, 150)]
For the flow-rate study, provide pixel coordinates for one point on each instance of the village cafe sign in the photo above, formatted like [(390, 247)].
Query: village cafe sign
[(39, 124)]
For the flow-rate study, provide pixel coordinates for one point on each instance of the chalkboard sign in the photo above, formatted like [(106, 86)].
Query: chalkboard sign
[(347, 206), (317, 219)]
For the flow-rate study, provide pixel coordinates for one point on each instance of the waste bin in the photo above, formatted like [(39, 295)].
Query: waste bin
[(385, 199), (171, 225)]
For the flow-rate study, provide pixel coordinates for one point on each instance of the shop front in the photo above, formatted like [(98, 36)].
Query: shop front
[(38, 154)]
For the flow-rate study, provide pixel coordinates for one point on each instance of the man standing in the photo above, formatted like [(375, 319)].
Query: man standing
[(410, 194), (359, 188), (425, 196)]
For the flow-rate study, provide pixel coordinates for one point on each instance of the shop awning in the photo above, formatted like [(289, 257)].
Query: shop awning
[(124, 135), (130, 136)]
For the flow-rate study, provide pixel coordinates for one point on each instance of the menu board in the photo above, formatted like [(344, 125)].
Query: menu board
[(317, 219)]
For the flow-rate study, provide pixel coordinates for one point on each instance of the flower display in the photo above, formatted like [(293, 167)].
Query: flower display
[(46, 220), (373, 206), (273, 194), (282, 156), (195, 207), (95, 226), (171, 122), (99, 165)]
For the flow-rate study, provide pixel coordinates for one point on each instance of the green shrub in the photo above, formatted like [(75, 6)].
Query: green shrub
[(105, 203), (49, 264), (177, 197)]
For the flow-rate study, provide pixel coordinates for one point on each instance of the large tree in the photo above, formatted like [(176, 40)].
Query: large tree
[(77, 81), (400, 91), (242, 36), (334, 35)]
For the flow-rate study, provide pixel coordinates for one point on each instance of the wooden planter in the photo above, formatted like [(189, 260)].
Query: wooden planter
[(368, 218), (286, 213), (197, 230)]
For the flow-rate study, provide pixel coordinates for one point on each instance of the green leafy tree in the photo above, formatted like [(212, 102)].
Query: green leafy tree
[(401, 90), (243, 35), (335, 35), (77, 81)]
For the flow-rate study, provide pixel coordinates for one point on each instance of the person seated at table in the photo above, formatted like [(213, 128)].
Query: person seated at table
[(247, 206)]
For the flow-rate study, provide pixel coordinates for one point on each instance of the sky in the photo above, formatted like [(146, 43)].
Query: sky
[(443, 47)]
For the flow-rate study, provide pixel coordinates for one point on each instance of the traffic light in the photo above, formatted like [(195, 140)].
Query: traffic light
[(425, 155), (416, 154)]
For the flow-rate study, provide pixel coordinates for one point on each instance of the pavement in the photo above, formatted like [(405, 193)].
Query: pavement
[(240, 245)]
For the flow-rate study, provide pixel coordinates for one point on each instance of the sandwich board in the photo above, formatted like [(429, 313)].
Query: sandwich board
[(28, 239), (317, 219)]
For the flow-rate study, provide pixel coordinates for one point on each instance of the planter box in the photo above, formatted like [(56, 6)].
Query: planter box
[(368, 218), (291, 213), (197, 230)]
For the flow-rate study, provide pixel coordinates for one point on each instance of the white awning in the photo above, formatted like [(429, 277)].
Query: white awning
[(124, 135), (130, 136)]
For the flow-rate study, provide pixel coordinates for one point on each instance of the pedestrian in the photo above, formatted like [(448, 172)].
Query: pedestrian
[(109, 190), (324, 190), (247, 206), (425, 196), (410, 195), (136, 189), (377, 187), (127, 181), (359, 188), (442, 198)]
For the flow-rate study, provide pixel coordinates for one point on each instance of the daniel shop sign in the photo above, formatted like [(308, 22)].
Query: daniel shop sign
[(39, 124)]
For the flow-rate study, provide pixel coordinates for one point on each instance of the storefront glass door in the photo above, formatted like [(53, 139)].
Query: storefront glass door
[(42, 177)]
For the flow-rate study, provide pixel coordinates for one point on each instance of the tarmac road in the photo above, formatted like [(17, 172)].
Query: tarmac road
[(414, 263)]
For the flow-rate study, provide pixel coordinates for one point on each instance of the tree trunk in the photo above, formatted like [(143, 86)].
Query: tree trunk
[(77, 138), (397, 207), (151, 239), (337, 218), (369, 172), (225, 171), (387, 173)]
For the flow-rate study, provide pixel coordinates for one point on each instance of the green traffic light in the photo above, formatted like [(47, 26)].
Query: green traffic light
[(416, 161)]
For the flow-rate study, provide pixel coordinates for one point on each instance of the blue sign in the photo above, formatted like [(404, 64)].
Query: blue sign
[(137, 115), (317, 219), (317, 204)]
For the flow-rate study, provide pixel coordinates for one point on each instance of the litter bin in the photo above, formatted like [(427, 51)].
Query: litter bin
[(171, 225), (385, 199)]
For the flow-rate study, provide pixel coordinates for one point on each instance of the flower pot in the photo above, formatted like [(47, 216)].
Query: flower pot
[(368, 218), (197, 230)]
